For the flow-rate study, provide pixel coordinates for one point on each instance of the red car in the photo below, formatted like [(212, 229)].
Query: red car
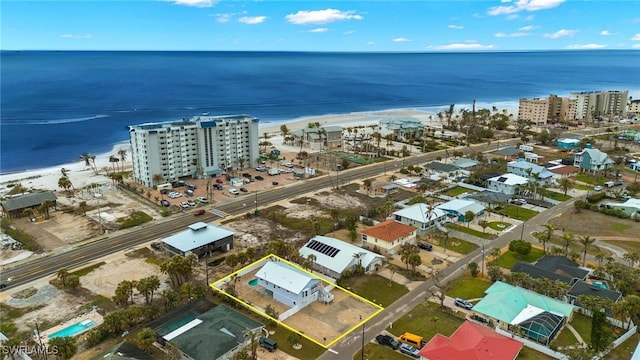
[(219, 181), (199, 213)]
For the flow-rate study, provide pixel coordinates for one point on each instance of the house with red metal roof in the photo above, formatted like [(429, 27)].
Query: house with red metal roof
[(471, 342), (388, 236)]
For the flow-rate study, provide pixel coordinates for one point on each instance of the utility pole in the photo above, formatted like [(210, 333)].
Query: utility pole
[(362, 338), (482, 268), (522, 232), (42, 348)]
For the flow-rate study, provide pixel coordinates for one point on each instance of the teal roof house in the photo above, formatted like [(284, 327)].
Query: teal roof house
[(517, 310), (592, 160)]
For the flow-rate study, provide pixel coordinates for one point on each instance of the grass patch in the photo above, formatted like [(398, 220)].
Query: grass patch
[(87, 270), (625, 349), (458, 190), (509, 258), (375, 288), (517, 212), (628, 246), (565, 338), (376, 351), (619, 227), (468, 287), (499, 225), (530, 354), (309, 351), (458, 245), (590, 179), (469, 231), (582, 324), (420, 321), (136, 218), (582, 187), (556, 195)]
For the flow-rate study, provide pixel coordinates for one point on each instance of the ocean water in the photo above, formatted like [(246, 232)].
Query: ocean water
[(57, 105)]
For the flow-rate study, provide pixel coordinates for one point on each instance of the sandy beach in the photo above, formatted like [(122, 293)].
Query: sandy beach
[(81, 175)]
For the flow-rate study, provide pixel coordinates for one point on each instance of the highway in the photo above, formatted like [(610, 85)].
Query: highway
[(49, 264)]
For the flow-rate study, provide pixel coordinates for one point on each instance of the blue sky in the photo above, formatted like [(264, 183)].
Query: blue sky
[(411, 26)]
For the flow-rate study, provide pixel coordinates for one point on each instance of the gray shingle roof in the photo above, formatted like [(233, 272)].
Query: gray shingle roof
[(584, 288), (28, 200), (441, 167), (508, 151)]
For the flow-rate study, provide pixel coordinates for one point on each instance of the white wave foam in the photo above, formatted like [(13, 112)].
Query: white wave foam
[(59, 121)]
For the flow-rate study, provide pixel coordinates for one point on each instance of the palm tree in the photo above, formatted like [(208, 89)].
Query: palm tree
[(123, 157), (65, 183), (367, 185), (86, 157), (63, 274), (549, 233), (567, 240), (66, 346), (145, 339), (45, 206), (83, 207), (565, 184), (586, 241), (113, 160)]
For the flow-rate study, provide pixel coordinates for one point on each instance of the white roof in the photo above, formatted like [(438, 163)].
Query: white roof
[(199, 234), (285, 276), (526, 313), (510, 179), (341, 260), (461, 206), (420, 213), (567, 140)]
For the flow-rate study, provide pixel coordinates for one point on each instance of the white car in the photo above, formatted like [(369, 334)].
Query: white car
[(203, 200), (234, 191), (288, 170), (191, 203), (597, 188), (184, 204)]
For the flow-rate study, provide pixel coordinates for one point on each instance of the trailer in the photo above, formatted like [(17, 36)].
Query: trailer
[(167, 186)]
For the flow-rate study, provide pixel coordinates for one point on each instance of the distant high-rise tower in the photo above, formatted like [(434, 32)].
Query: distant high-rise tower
[(594, 104)]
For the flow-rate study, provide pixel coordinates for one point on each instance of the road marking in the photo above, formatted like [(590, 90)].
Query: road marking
[(333, 351)]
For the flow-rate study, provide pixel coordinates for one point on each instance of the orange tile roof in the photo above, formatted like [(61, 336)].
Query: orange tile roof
[(389, 230)]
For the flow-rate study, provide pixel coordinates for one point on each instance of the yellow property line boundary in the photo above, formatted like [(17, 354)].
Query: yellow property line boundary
[(227, 278)]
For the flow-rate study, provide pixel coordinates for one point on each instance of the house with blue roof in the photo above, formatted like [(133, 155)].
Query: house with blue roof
[(529, 171), (458, 208), (522, 311), (592, 160), (421, 216), (401, 127), (200, 239)]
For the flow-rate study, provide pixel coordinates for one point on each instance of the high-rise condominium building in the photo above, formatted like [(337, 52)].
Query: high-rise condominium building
[(551, 109), (593, 104), (200, 146), (634, 107)]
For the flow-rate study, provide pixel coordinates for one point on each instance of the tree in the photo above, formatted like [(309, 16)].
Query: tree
[(520, 247), (549, 229), (122, 153), (367, 185), (586, 241), (66, 346), (565, 184), (567, 240), (468, 216), (601, 336), (145, 339), (484, 224), (632, 258), (63, 275), (494, 272), (45, 206), (407, 252), (473, 268), (64, 183), (73, 281), (157, 179)]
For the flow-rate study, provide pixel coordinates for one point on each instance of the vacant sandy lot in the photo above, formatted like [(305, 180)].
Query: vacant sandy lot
[(105, 279)]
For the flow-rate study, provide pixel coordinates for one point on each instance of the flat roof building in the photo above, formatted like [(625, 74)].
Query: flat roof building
[(200, 239)]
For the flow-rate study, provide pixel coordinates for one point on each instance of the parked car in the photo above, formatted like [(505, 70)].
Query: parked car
[(288, 170), (409, 350), (203, 200), (387, 340), (261, 168), (260, 178), (156, 245), (244, 190), (597, 188), (425, 246), (199, 212), (184, 205), (191, 203), (234, 191), (2, 285), (218, 186), (269, 344), (463, 303), (219, 181), (247, 175), (165, 203), (274, 183)]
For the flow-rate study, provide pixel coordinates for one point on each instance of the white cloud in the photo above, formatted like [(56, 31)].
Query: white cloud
[(349, 32), (605, 33), (636, 37), (512, 16), (527, 28), (505, 1), (514, 34), (321, 16), (456, 27), (523, 5), (73, 36), (467, 46), (636, 46), (196, 3), (561, 33), (371, 43), (252, 20), (586, 46), (400, 40), (319, 30)]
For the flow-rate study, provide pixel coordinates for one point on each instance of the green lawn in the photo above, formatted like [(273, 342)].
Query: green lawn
[(420, 321), (375, 288), (582, 187), (624, 351), (517, 212), (499, 225), (582, 324), (591, 179), (509, 258), (619, 227), (376, 351), (87, 270), (628, 246), (309, 349), (467, 287), (556, 195), (458, 245), (530, 354), (458, 190), (565, 338), (469, 231)]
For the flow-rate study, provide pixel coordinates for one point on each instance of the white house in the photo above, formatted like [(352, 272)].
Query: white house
[(333, 256), (388, 236), (529, 170), (459, 207), (201, 238), (421, 217), (630, 207), (287, 284), (507, 183)]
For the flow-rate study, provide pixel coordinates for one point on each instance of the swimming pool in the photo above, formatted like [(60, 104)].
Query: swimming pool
[(253, 282), (600, 284), (74, 329)]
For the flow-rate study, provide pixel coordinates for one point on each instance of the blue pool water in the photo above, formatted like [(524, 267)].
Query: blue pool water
[(600, 284), (253, 282), (74, 329)]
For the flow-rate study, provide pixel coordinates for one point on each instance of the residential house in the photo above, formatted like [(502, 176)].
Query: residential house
[(459, 207), (320, 138), (401, 127), (525, 312), (288, 284), (592, 160), (421, 216), (201, 239), (567, 143), (333, 257), (465, 163), (471, 341), (563, 170), (489, 198), (14, 207), (382, 188), (508, 153), (442, 170), (630, 207), (388, 236), (507, 184), (530, 171)]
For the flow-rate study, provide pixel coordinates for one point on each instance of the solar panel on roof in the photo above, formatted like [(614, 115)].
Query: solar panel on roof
[(323, 248), (502, 179)]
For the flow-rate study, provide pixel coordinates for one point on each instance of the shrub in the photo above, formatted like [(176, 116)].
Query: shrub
[(520, 247), (136, 218), (596, 197)]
